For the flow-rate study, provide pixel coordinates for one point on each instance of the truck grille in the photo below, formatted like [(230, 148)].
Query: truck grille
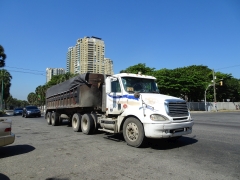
[(176, 108)]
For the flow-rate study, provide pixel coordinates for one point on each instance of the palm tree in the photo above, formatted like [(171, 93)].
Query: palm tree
[(2, 57), (9, 101), (32, 98), (41, 93), (66, 76), (5, 82)]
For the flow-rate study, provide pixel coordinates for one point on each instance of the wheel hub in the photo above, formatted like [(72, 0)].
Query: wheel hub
[(74, 123), (132, 131), (84, 124)]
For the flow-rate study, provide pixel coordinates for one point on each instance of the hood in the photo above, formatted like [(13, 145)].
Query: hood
[(158, 99)]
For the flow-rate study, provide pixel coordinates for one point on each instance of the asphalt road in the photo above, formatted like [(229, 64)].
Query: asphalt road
[(41, 152)]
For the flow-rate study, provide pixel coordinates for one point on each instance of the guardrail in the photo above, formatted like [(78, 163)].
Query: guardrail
[(211, 106)]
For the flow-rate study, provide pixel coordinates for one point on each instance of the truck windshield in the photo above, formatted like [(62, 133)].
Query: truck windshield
[(132, 84)]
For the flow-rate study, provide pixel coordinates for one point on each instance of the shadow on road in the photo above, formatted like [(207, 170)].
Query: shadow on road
[(4, 177), (8, 151), (54, 178), (164, 144), (158, 144)]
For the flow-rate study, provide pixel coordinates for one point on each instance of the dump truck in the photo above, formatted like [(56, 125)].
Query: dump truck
[(125, 103)]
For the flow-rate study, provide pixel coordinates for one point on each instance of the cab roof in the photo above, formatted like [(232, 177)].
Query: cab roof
[(134, 75)]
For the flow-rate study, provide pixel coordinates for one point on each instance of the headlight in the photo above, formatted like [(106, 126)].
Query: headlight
[(28, 111), (158, 117)]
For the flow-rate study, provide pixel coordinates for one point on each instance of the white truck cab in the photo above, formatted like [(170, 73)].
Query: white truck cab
[(140, 111)]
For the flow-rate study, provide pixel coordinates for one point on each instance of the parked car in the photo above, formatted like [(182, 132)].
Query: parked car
[(31, 111), (17, 111), (6, 135)]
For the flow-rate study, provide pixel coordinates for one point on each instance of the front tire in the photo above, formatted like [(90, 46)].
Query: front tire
[(76, 122), (87, 124), (133, 132)]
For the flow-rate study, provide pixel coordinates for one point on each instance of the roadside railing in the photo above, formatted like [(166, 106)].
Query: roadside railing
[(210, 106)]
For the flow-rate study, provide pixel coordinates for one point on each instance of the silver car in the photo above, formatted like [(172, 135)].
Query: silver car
[(6, 135)]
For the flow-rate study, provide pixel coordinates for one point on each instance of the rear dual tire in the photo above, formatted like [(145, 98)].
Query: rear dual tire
[(55, 119), (49, 114), (76, 122), (87, 124)]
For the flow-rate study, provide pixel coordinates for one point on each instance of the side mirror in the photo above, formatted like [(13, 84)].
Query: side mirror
[(109, 81), (136, 94), (108, 85)]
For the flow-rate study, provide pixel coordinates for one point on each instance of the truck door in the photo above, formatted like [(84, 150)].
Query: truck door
[(114, 97)]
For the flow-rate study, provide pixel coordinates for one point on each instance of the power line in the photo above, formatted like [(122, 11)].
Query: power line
[(24, 69), (27, 72), (228, 67)]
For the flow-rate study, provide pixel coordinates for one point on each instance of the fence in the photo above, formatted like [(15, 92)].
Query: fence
[(210, 106)]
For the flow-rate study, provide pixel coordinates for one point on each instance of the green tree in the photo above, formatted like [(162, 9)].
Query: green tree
[(32, 98), (139, 68), (38, 98), (66, 76), (14, 102), (5, 82), (56, 79), (9, 101), (195, 79), (229, 90), (40, 93), (23, 103), (188, 83), (3, 56)]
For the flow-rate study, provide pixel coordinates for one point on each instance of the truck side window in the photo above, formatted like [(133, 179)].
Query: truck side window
[(115, 85)]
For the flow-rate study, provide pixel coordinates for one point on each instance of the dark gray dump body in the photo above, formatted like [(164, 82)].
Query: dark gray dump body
[(82, 91), (66, 85)]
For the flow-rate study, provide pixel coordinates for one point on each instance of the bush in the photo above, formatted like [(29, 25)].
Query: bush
[(2, 112)]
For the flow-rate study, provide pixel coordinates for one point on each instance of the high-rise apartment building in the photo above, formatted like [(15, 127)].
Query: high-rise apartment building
[(108, 66), (88, 55), (50, 72), (71, 58)]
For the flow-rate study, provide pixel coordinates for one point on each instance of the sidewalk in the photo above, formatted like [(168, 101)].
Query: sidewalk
[(215, 111)]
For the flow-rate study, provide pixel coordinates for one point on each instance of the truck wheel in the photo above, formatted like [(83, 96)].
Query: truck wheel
[(87, 124), (96, 125), (49, 114), (76, 122), (133, 132), (54, 118)]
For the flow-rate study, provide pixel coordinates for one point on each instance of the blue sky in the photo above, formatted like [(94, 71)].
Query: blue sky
[(160, 33)]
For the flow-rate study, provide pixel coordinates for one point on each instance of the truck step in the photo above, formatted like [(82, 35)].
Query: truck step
[(106, 130)]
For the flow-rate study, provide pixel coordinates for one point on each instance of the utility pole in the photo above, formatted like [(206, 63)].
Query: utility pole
[(214, 90), (2, 95), (205, 98)]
